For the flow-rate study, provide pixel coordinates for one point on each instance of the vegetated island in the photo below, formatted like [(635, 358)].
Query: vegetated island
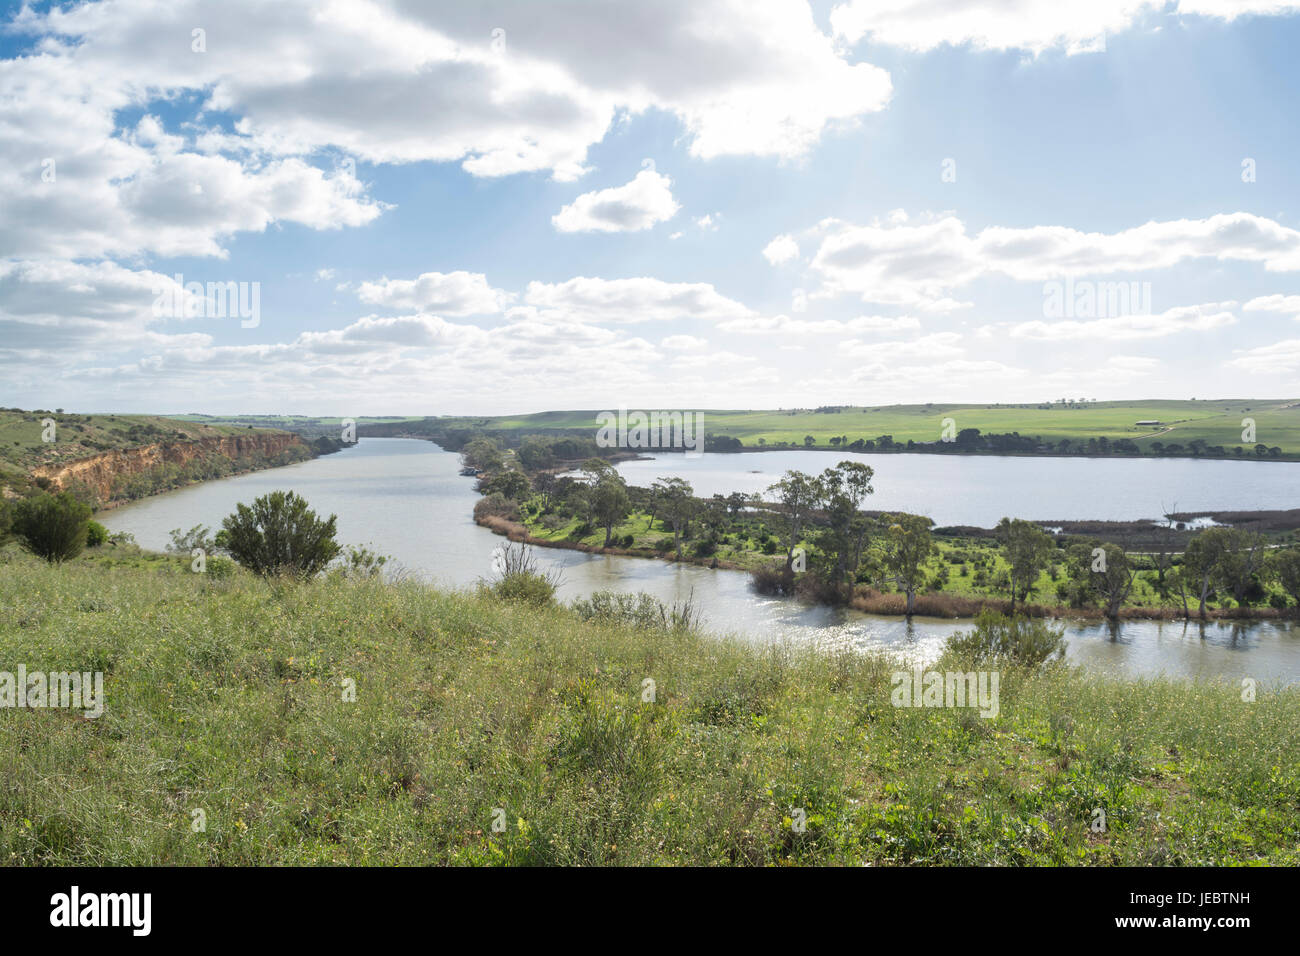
[(811, 536)]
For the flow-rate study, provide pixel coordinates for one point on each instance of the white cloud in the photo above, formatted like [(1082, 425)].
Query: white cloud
[(639, 204), (451, 293), (623, 301), (1191, 318), (918, 265), (1281, 304), (784, 325), (59, 312), (394, 81), (1280, 357), (684, 343), (1034, 26), (781, 249)]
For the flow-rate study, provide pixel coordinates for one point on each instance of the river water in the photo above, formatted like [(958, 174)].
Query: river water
[(405, 498)]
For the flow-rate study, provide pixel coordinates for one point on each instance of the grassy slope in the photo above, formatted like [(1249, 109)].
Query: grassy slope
[(78, 436), (1216, 422), (224, 695)]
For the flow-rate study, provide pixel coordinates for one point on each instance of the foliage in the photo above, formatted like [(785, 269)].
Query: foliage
[(1016, 640), (518, 579), (230, 696), (280, 534), (53, 527)]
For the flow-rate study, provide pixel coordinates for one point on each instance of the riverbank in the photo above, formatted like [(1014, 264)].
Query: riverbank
[(971, 570), (231, 699)]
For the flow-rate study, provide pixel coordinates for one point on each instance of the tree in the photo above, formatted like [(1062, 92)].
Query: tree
[(1201, 562), (1105, 569), (1028, 550), (908, 547), (280, 534), (842, 490), (797, 494), (608, 500), (509, 483), (53, 527), (535, 453), (1241, 559), (1285, 566), (676, 500), (482, 454)]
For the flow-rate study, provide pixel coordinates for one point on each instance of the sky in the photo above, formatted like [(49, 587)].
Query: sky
[(393, 207)]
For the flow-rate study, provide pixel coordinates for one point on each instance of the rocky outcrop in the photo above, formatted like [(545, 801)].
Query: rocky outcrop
[(100, 472)]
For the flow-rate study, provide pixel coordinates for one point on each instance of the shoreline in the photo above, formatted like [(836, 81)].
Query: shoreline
[(868, 600)]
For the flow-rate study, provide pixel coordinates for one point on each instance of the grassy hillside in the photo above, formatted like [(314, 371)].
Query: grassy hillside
[(1218, 422), (224, 695), (22, 446)]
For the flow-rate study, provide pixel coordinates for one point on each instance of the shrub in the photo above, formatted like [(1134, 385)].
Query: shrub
[(519, 580), (96, 534), (495, 506), (642, 611), (53, 527), (185, 542), (280, 534), (772, 579), (1022, 641)]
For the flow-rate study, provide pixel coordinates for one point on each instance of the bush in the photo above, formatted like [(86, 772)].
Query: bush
[(495, 506), (772, 579), (642, 611), (280, 534), (1020, 641), (96, 534), (186, 542), (519, 580), (53, 527)]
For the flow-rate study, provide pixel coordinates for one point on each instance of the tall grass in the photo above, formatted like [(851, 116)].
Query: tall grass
[(228, 696)]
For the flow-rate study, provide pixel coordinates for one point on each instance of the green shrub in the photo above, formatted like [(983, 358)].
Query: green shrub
[(1023, 641), (53, 527), (518, 579), (280, 534), (96, 534)]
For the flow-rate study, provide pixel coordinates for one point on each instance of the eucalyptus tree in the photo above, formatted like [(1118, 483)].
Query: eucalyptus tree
[(797, 495), (1028, 550), (677, 505), (907, 547)]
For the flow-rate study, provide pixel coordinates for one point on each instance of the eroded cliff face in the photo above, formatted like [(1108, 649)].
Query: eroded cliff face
[(99, 472)]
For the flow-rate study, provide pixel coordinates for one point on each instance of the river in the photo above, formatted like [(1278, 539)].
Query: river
[(406, 499)]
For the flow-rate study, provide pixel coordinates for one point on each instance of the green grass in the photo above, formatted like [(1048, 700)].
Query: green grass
[(225, 696), (1217, 422)]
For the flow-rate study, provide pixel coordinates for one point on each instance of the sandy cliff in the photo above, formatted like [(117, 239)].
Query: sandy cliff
[(100, 471)]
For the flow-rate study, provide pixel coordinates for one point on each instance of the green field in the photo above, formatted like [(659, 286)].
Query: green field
[(1218, 422), (226, 697)]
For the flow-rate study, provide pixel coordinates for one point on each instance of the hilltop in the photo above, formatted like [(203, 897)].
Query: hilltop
[(108, 457), (349, 721), (1181, 428)]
